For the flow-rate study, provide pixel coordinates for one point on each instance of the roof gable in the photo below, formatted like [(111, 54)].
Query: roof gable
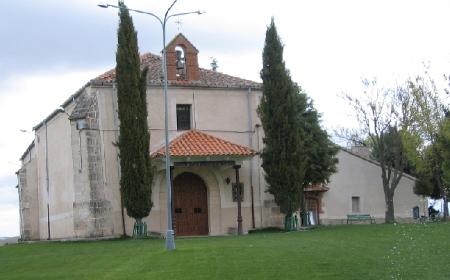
[(180, 39)]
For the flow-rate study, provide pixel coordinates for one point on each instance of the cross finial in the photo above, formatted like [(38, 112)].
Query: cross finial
[(179, 23)]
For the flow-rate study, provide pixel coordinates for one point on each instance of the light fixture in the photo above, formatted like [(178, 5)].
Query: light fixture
[(103, 5)]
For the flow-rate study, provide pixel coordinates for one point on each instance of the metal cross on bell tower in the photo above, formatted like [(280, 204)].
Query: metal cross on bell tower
[(179, 24)]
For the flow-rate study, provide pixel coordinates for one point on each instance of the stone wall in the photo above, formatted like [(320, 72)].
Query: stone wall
[(92, 208), (29, 211), (24, 205)]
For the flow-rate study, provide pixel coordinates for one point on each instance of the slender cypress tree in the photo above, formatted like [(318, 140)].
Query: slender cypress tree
[(297, 151), (134, 139), (283, 160)]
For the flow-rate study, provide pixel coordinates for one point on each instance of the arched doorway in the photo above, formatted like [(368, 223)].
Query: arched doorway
[(190, 204)]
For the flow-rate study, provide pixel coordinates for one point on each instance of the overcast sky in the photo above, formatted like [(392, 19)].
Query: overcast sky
[(50, 48)]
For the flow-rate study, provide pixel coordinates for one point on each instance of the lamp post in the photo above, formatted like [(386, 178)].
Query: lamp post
[(170, 242)]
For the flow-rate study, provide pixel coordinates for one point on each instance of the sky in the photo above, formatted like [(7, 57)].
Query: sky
[(50, 48)]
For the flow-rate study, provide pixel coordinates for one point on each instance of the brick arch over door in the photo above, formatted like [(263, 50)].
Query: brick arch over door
[(190, 204)]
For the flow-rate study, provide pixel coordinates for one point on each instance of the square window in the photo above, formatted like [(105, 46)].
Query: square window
[(183, 116)]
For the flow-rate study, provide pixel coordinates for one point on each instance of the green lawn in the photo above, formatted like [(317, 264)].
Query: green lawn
[(418, 251)]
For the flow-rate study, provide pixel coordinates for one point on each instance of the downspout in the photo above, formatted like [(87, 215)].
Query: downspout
[(47, 180), (19, 190), (119, 173), (250, 144), (257, 126), (193, 110)]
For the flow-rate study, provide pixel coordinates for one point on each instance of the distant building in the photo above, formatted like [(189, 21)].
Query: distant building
[(69, 180)]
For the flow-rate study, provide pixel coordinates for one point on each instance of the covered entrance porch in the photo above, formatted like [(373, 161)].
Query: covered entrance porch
[(313, 199), (201, 166)]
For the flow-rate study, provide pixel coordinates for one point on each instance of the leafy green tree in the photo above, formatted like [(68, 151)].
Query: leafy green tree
[(434, 171), (444, 142), (427, 174), (283, 160), (429, 123), (134, 139)]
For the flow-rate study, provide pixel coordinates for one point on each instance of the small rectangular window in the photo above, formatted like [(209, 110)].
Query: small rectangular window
[(183, 116), (355, 204)]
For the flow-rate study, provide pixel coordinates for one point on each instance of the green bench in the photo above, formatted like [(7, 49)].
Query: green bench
[(360, 218)]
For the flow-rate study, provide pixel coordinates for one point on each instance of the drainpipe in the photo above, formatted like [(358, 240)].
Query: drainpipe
[(257, 126), (250, 144), (47, 180)]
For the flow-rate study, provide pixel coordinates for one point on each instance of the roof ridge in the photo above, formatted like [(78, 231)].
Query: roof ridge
[(228, 75), (208, 78)]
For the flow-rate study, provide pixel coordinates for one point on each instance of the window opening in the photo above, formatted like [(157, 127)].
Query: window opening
[(183, 116), (355, 204)]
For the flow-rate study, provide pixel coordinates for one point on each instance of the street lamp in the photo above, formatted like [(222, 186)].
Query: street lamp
[(170, 242)]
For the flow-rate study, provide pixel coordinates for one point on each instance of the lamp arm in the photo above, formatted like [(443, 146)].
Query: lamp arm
[(137, 11), (182, 14), (166, 17)]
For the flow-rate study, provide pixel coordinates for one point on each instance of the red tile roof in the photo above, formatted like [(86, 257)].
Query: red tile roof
[(316, 188), (208, 78), (196, 143)]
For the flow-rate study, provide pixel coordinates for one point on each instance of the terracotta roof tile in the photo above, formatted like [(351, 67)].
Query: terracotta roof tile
[(208, 78), (196, 143), (316, 188)]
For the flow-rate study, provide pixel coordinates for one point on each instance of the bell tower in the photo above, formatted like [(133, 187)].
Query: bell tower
[(182, 60)]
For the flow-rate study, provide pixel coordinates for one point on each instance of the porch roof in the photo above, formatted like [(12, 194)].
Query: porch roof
[(316, 188), (196, 144)]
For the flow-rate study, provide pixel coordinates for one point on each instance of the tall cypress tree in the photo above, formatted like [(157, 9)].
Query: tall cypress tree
[(134, 139), (297, 151), (282, 156)]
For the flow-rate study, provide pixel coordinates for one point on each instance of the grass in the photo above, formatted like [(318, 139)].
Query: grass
[(416, 251)]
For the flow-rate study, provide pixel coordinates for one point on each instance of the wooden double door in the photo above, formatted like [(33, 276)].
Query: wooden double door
[(190, 205)]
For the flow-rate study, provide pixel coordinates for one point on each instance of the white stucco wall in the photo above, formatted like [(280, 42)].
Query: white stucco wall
[(362, 178), (60, 170), (221, 113)]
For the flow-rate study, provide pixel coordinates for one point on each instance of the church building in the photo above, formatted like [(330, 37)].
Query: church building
[(69, 179)]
